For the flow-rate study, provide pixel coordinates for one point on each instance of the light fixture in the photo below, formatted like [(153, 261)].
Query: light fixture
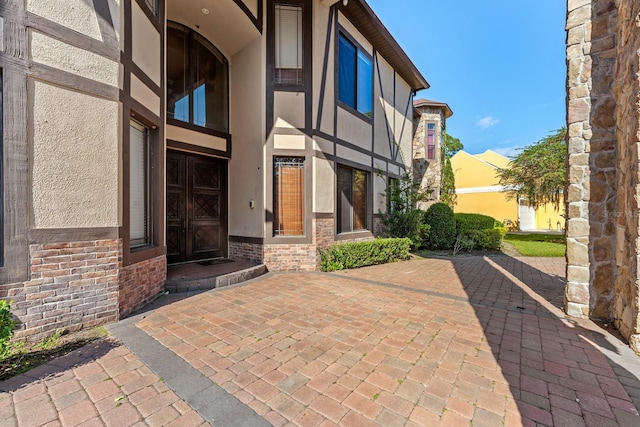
[(205, 10), (345, 2)]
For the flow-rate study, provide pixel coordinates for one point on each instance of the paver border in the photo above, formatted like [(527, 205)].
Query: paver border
[(211, 401)]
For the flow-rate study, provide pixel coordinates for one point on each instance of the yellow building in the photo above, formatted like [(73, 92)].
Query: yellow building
[(479, 191)]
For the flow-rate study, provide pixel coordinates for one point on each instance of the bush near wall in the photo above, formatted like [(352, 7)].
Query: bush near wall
[(485, 231), (470, 221), (7, 326), (442, 223), (342, 256)]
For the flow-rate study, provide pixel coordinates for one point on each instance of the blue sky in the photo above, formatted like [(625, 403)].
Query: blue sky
[(499, 64)]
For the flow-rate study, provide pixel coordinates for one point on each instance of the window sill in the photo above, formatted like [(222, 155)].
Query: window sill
[(281, 87), (288, 240), (355, 112), (143, 253), (186, 125), (351, 235)]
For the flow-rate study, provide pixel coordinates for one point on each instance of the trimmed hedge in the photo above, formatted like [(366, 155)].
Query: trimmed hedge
[(466, 222), (342, 256), (488, 239), (442, 234)]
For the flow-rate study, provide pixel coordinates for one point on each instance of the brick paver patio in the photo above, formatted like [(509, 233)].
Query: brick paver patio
[(100, 384), (476, 341)]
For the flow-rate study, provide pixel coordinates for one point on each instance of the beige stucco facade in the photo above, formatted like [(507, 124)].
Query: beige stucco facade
[(86, 89)]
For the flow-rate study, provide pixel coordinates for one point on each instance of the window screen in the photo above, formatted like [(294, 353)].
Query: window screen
[(288, 44), (139, 185), (288, 196)]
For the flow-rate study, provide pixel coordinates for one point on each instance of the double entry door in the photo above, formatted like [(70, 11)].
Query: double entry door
[(196, 207)]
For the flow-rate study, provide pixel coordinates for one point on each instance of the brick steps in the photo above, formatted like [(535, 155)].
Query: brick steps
[(213, 281)]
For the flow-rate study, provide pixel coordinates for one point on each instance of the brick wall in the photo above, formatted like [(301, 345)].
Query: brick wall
[(324, 232), (378, 226), (245, 251), (141, 283), (292, 257), (72, 286)]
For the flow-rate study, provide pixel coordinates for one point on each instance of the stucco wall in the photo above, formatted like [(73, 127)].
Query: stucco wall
[(78, 15), (403, 119), (54, 53), (75, 159), (246, 167), (146, 45), (320, 28), (383, 107), (323, 185), (288, 110)]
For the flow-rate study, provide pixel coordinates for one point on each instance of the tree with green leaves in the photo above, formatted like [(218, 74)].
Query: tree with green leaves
[(538, 172), (450, 146)]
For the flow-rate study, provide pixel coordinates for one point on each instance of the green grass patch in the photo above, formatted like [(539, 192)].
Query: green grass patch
[(541, 245), (22, 356)]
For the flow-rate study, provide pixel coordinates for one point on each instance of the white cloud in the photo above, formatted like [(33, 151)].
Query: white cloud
[(487, 122)]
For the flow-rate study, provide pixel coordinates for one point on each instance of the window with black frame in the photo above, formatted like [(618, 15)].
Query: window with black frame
[(352, 199), (355, 77), (139, 185), (288, 196), (197, 80)]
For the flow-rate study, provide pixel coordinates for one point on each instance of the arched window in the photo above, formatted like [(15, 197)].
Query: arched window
[(197, 80)]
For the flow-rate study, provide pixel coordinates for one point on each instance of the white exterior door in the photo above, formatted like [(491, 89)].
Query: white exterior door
[(526, 216)]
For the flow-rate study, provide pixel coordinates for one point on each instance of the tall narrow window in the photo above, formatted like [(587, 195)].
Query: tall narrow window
[(352, 199), (197, 80), (288, 44), (139, 157), (431, 141), (288, 205), (355, 77)]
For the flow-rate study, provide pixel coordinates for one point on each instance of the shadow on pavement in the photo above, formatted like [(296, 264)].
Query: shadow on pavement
[(87, 354), (561, 371)]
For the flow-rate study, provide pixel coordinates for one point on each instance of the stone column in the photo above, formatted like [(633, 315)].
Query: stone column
[(591, 184), (625, 220)]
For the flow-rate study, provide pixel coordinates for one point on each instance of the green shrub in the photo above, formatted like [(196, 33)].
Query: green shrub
[(342, 256), (406, 223), (7, 326), (488, 239), (402, 218), (470, 221), (442, 234)]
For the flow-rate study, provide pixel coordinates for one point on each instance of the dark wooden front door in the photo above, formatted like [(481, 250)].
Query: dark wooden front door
[(196, 207)]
